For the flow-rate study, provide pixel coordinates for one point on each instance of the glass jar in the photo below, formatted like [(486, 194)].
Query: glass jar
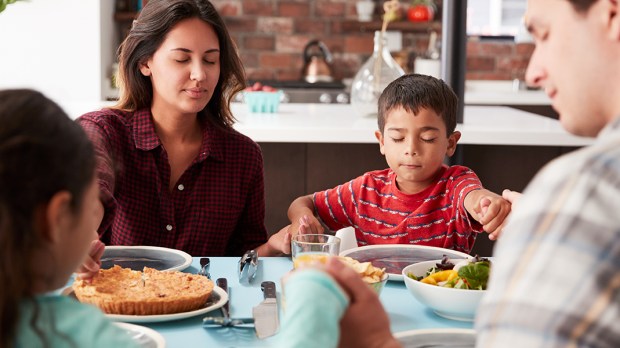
[(372, 78)]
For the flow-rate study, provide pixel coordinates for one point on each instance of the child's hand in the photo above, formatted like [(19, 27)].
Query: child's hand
[(310, 225), (92, 263), (491, 211)]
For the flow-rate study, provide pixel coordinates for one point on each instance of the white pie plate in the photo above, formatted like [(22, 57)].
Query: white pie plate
[(218, 298)]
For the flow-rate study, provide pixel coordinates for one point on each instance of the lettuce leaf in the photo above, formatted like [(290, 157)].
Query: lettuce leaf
[(476, 275)]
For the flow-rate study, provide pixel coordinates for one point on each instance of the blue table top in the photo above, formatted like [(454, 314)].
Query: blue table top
[(405, 312)]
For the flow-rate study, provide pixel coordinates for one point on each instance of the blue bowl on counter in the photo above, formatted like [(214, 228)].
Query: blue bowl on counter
[(263, 102)]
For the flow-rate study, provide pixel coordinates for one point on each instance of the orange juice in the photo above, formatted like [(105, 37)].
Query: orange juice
[(305, 258)]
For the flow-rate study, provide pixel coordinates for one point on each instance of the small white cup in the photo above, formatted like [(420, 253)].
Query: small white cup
[(365, 10)]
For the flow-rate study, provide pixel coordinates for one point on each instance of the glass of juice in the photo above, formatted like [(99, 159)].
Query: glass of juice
[(307, 248)]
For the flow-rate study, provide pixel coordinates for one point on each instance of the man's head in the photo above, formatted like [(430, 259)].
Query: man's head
[(577, 60), (417, 118), (415, 91)]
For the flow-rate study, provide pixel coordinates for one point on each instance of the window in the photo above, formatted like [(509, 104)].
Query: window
[(495, 17)]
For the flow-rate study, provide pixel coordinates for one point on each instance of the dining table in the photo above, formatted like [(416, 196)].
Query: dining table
[(404, 311)]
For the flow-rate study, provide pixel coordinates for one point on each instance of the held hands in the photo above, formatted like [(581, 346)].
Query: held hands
[(279, 243), (489, 209), (356, 330), (511, 196), (310, 225), (92, 263)]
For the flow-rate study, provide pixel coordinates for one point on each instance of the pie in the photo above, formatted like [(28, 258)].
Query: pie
[(123, 291)]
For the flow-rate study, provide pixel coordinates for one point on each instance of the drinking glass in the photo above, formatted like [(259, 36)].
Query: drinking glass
[(307, 248)]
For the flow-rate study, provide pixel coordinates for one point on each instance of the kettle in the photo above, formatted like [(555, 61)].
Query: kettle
[(316, 62)]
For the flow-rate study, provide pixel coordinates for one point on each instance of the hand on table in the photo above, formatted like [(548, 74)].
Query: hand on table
[(92, 263)]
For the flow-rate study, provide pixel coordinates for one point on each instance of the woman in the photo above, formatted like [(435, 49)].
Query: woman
[(172, 171)]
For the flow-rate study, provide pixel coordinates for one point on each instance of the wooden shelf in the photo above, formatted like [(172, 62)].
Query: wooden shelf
[(404, 26)]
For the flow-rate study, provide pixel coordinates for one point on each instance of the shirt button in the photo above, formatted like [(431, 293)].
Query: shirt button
[(181, 187), (169, 227)]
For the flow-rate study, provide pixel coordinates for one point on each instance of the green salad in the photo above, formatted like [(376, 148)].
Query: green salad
[(467, 274)]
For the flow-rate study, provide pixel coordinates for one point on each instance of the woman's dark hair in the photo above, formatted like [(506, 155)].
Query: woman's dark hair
[(157, 18), (415, 91), (42, 152)]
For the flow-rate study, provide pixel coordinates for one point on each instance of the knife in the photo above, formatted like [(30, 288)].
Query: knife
[(223, 283), (266, 313)]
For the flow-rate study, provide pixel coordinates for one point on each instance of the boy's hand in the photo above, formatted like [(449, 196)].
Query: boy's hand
[(310, 225), (490, 210)]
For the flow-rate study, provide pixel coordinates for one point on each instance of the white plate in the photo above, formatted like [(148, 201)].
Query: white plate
[(137, 257), (143, 336), (395, 257), (462, 338), (218, 298)]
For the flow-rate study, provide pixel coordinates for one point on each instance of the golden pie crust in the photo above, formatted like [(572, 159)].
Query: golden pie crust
[(123, 291)]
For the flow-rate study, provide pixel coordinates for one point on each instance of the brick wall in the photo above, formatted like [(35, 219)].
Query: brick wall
[(271, 36)]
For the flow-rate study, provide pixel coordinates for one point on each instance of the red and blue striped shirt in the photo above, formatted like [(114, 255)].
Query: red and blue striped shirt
[(382, 214)]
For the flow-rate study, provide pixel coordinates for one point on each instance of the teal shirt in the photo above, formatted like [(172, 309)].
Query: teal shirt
[(315, 303), (67, 323)]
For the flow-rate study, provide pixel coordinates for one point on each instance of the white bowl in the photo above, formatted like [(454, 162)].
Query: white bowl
[(455, 304)]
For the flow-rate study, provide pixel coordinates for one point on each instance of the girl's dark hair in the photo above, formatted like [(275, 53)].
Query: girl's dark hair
[(157, 18), (42, 152), (415, 91)]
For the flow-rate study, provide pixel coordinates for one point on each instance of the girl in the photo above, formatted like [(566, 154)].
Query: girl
[(48, 204)]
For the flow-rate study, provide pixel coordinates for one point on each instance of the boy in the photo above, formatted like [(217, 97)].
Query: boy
[(418, 200)]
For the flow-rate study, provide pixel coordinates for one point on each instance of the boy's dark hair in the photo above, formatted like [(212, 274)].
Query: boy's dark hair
[(413, 92), (42, 152)]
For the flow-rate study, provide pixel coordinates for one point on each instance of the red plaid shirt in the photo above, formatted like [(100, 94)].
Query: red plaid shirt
[(216, 208)]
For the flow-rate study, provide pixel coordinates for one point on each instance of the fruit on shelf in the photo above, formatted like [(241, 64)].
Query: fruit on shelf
[(421, 11)]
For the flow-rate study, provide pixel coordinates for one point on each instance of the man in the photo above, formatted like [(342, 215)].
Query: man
[(556, 278), (556, 281)]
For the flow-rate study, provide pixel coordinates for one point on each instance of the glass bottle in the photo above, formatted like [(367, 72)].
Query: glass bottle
[(372, 78)]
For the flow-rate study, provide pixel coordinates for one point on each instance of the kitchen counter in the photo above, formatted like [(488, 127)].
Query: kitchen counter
[(334, 123), (481, 92), (337, 123)]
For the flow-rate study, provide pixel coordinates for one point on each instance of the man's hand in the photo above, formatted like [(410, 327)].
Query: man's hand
[(512, 196), (92, 263), (489, 209)]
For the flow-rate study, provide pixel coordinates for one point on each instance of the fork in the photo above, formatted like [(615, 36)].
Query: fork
[(205, 262), (225, 320)]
